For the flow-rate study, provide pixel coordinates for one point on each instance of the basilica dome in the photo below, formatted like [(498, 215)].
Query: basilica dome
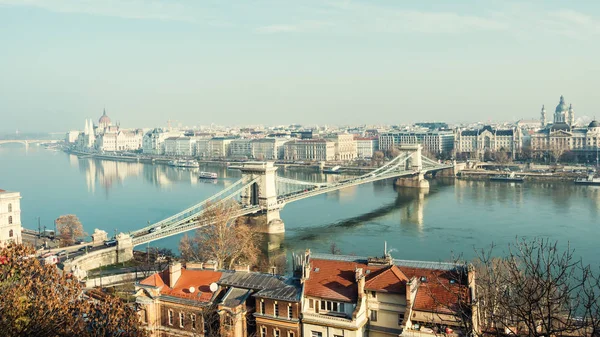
[(594, 124), (562, 106)]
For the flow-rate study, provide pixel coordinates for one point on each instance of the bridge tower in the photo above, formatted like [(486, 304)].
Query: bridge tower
[(262, 193), (414, 163)]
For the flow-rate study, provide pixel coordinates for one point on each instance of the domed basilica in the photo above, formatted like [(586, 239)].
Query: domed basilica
[(564, 135)]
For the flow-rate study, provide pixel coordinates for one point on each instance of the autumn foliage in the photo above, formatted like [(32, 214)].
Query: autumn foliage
[(69, 229), (36, 300)]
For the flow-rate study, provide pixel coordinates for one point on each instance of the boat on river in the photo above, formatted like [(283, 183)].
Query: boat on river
[(589, 180), (184, 163), (511, 177), (207, 175), (333, 170)]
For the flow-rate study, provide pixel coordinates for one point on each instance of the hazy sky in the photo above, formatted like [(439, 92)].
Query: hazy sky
[(302, 61)]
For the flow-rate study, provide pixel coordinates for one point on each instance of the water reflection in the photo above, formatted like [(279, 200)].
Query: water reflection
[(409, 203)]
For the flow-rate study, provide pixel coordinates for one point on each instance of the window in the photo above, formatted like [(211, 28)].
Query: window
[(290, 312), (10, 220), (262, 307), (181, 319), (193, 320), (276, 310), (228, 322), (323, 304), (373, 315), (10, 207), (263, 331), (373, 294), (10, 233), (170, 317), (311, 303), (290, 334), (400, 318), (316, 334), (276, 333)]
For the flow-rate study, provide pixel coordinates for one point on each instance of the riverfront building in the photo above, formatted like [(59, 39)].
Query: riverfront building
[(366, 147), (268, 148), (434, 142), (345, 146), (10, 217), (309, 150), (474, 143), (564, 135)]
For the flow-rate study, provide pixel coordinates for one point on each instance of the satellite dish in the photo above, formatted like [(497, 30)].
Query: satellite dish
[(192, 289), (213, 287)]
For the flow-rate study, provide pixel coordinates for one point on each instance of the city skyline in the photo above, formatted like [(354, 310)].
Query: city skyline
[(273, 63)]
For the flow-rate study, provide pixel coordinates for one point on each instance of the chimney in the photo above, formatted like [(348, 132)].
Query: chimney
[(211, 265), (242, 268), (360, 280), (306, 265), (174, 273)]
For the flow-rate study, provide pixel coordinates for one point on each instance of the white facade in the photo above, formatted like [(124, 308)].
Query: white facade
[(345, 146), (180, 146), (219, 147), (310, 149), (71, 137), (366, 147), (154, 141), (240, 148), (268, 148), (434, 142), (10, 218), (120, 140), (474, 143), (203, 147)]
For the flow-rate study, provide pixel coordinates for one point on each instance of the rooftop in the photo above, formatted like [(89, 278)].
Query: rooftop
[(268, 285), (199, 279)]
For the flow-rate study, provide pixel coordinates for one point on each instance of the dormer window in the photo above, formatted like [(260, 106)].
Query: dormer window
[(423, 278)]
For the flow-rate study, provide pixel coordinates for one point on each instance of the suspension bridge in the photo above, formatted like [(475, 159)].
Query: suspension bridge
[(262, 194)]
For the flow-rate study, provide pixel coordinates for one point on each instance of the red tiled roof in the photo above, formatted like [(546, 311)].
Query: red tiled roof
[(1, 190), (391, 280), (437, 294), (199, 279), (334, 280)]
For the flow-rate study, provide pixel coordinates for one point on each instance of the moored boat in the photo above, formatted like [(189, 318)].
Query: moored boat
[(207, 175), (184, 163), (589, 180), (511, 177)]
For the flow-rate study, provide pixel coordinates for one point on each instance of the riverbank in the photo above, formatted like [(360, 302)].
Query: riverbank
[(165, 161), (529, 176)]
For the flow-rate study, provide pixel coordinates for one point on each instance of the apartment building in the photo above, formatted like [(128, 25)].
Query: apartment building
[(309, 150), (10, 217)]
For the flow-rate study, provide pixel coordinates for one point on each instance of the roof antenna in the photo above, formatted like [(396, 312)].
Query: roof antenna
[(385, 252)]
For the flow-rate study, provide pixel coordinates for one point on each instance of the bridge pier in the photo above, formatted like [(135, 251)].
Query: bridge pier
[(268, 222), (416, 181)]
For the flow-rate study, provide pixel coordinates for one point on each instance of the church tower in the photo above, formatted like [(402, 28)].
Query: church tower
[(571, 116), (543, 117)]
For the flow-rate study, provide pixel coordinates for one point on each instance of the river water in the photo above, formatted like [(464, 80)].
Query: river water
[(454, 217)]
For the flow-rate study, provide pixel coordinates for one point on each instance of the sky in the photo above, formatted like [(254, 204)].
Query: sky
[(278, 62)]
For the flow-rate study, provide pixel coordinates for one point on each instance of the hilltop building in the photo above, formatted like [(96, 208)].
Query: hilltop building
[(10, 218)]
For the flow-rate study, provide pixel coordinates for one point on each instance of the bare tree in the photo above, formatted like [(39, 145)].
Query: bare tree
[(69, 229), (224, 239), (534, 289), (334, 249), (377, 158)]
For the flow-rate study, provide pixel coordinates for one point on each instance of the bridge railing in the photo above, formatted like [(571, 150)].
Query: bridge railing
[(194, 211), (191, 224)]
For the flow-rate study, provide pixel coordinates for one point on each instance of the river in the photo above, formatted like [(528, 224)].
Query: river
[(453, 218)]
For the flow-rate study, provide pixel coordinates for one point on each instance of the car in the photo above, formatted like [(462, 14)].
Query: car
[(82, 249), (110, 243), (61, 253), (152, 230)]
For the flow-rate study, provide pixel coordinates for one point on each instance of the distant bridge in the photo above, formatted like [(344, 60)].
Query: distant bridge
[(26, 142)]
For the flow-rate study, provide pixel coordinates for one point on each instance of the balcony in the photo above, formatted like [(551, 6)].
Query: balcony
[(333, 320)]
